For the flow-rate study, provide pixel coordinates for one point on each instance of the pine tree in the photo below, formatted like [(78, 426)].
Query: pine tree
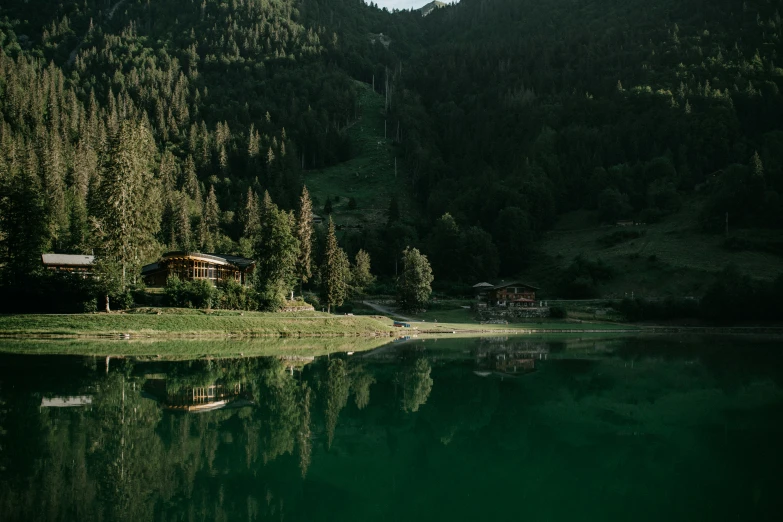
[(23, 226), (334, 271), (304, 233), (414, 284), (266, 208), (210, 221), (328, 206), (757, 165), (182, 222), (192, 187), (251, 216), (129, 216), (276, 252), (361, 276)]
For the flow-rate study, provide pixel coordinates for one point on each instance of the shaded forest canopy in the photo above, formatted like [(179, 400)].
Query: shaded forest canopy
[(506, 114)]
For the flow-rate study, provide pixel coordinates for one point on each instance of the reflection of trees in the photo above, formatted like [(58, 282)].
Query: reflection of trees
[(337, 389), (129, 457), (278, 411), (415, 383), (3, 432), (304, 438), (360, 384)]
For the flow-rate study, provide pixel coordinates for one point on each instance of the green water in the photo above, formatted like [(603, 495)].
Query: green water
[(658, 429)]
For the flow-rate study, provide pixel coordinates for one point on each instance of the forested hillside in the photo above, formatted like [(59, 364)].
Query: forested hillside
[(626, 108), (504, 114)]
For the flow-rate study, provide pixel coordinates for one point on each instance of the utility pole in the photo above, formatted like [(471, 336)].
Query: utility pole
[(384, 129)]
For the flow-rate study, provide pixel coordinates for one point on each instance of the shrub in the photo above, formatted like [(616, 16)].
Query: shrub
[(558, 312), (121, 301), (201, 293), (174, 291), (190, 294)]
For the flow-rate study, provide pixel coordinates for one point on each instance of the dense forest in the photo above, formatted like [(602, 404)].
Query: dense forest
[(506, 114)]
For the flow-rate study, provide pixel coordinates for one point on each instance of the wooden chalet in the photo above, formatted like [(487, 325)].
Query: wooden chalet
[(513, 294), (189, 266), (79, 264)]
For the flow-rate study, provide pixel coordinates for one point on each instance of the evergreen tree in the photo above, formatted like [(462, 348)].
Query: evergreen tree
[(210, 222), (304, 233), (129, 216), (251, 215), (182, 231), (361, 276), (414, 284), (334, 271), (276, 252), (23, 227), (328, 206), (757, 165)]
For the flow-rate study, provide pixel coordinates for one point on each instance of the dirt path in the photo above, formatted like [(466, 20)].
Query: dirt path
[(386, 310)]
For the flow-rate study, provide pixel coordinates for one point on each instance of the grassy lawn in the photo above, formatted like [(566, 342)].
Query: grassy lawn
[(200, 323), (673, 257), (368, 176), (192, 348)]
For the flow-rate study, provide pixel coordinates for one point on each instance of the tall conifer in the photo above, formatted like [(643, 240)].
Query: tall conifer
[(129, 216), (304, 233), (335, 271)]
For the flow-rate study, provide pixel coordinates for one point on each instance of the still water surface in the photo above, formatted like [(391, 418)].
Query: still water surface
[(675, 429)]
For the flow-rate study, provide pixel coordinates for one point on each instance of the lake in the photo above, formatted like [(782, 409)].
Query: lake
[(562, 428)]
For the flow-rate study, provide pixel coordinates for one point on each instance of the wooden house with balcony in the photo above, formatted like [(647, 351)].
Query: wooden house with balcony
[(512, 294), (190, 266)]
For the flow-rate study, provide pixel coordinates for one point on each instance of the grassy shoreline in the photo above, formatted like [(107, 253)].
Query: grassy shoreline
[(228, 326), (194, 323)]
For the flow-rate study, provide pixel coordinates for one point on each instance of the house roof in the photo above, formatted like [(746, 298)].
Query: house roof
[(148, 269), (516, 283), (221, 259), (67, 260)]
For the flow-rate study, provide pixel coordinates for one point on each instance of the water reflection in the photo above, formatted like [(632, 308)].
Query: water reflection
[(413, 431)]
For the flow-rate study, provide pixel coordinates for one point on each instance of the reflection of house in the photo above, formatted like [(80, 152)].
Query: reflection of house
[(198, 398), (80, 264), (189, 266), (505, 364)]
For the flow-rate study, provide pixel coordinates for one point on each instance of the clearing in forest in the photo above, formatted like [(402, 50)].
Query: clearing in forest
[(368, 177)]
